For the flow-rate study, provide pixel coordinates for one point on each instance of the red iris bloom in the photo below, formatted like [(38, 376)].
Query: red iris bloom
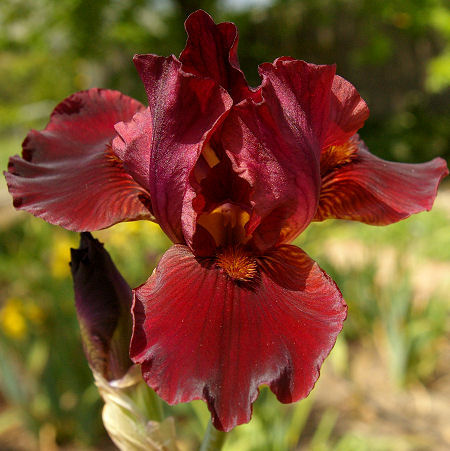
[(232, 175)]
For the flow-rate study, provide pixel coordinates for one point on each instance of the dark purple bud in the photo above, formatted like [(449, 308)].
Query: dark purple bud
[(103, 302)]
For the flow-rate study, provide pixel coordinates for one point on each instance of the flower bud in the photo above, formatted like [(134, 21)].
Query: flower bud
[(103, 301)]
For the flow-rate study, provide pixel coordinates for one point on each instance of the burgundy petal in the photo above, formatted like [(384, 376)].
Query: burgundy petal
[(299, 96), (68, 175), (362, 187), (103, 302), (185, 111), (132, 146), (211, 51), (198, 334), (275, 146), (348, 112)]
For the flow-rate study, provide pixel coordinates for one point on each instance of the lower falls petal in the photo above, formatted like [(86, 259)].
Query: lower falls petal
[(200, 334), (68, 174), (357, 185)]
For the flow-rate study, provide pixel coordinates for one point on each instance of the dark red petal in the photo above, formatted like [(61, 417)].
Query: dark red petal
[(68, 175), (378, 192), (211, 51), (198, 334), (348, 112), (103, 302), (185, 111), (299, 96), (275, 146), (132, 146)]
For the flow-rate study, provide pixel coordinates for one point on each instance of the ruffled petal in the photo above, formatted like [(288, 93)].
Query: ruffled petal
[(185, 110), (103, 302), (362, 187), (211, 51), (299, 96), (68, 175), (348, 112), (275, 146), (199, 334)]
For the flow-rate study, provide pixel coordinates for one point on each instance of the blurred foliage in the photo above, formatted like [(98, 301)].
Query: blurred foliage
[(42, 369), (395, 52)]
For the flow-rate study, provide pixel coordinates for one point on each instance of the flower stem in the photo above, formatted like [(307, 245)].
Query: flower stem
[(213, 439), (151, 403)]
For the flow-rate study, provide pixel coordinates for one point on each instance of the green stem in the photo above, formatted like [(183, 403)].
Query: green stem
[(150, 402), (213, 439)]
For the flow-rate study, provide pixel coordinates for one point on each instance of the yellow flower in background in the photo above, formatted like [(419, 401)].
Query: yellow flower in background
[(60, 256), (119, 235), (15, 316), (12, 320)]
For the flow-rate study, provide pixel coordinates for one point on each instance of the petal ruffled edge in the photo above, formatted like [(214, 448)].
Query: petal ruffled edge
[(198, 334), (211, 52), (69, 176)]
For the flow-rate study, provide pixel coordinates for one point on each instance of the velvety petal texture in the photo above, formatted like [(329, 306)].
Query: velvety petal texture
[(348, 112), (211, 51), (359, 186), (199, 334), (299, 95), (185, 110), (275, 145), (103, 303), (68, 175)]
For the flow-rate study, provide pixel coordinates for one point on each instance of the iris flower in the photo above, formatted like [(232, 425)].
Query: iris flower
[(233, 175)]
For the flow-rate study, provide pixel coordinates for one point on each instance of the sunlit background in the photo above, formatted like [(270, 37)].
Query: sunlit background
[(386, 384)]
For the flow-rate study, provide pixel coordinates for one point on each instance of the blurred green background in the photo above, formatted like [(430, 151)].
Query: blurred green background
[(386, 384)]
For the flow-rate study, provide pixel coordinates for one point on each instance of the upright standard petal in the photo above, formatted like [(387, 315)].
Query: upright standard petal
[(348, 112), (199, 334), (68, 175), (299, 95), (275, 146), (185, 111), (211, 52), (359, 186), (103, 302)]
